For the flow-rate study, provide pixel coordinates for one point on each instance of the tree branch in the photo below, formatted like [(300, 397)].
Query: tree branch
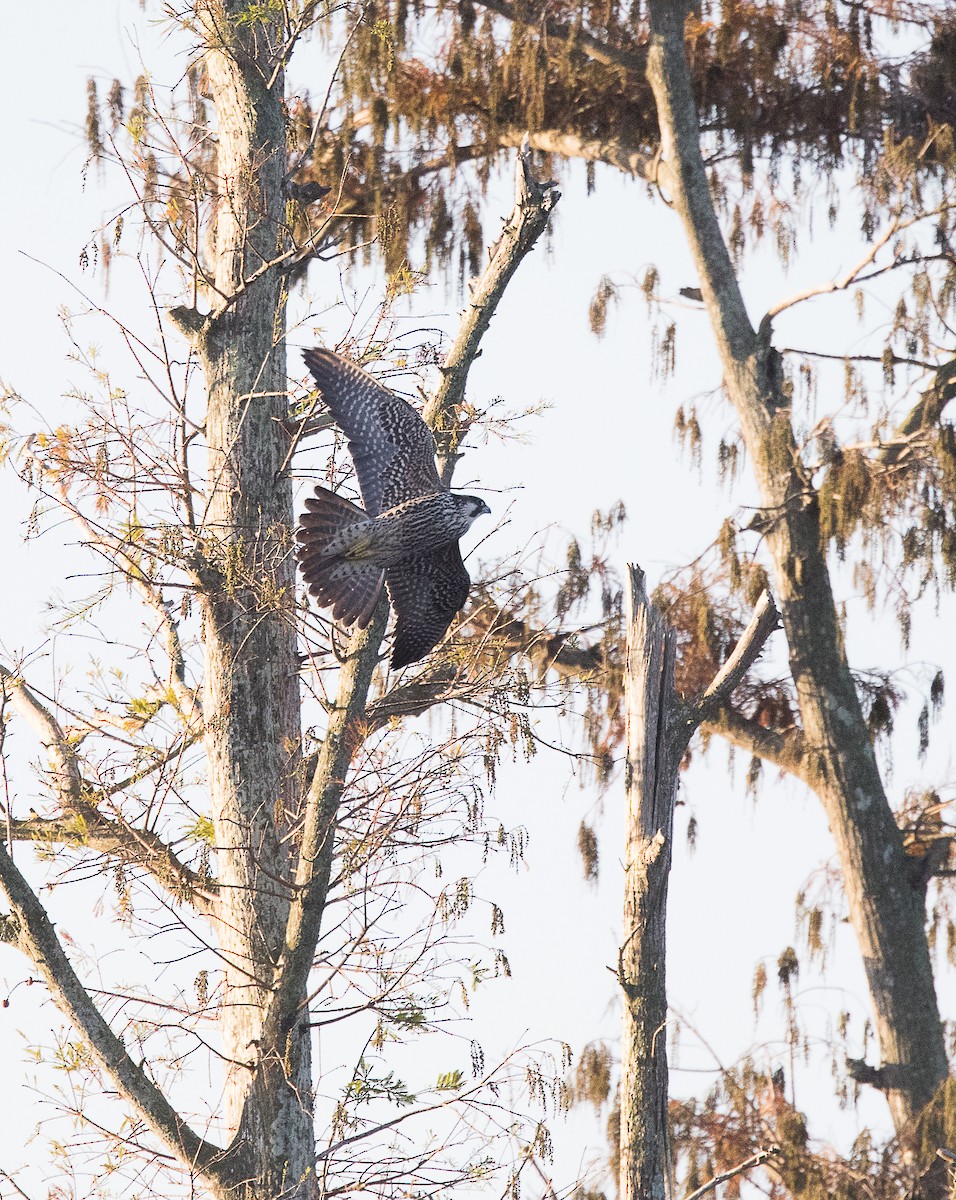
[(342, 738), (618, 151), (682, 171), (125, 560), (755, 1160), (846, 281), (529, 219), (925, 413), (66, 768), (34, 935), (87, 825), (786, 749), (763, 622), (142, 847), (590, 46), (624, 153), (418, 696)]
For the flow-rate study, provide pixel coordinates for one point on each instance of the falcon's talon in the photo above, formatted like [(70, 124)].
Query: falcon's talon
[(407, 534)]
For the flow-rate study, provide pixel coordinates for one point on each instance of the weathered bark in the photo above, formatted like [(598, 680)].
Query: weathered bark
[(655, 744), (659, 726), (251, 688), (887, 912)]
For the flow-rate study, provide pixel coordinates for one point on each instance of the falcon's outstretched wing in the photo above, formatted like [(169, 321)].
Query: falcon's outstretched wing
[(426, 590), (391, 446)]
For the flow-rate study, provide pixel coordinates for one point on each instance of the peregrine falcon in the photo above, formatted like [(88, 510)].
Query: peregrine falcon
[(407, 534)]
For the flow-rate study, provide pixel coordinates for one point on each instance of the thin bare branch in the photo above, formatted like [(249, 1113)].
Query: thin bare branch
[(308, 18), (534, 203), (845, 281), (897, 360), (30, 929), (125, 560), (755, 1160), (13, 1183)]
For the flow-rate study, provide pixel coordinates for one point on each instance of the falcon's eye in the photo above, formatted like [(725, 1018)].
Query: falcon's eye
[(477, 506)]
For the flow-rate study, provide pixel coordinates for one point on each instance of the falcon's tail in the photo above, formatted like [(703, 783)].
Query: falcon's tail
[(347, 586), (327, 514)]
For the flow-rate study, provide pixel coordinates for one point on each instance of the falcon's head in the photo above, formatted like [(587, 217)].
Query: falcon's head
[(472, 507)]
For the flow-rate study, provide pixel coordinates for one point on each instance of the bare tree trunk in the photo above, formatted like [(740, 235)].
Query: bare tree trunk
[(659, 726), (655, 743), (251, 690), (886, 907)]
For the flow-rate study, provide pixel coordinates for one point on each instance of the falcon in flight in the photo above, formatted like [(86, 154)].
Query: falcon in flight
[(406, 536)]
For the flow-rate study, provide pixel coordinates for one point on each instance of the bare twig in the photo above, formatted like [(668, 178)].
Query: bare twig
[(13, 1183), (841, 284), (35, 937), (755, 1160), (320, 115), (126, 561), (897, 360)]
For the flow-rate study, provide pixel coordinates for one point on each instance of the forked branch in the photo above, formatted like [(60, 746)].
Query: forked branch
[(85, 823), (659, 725)]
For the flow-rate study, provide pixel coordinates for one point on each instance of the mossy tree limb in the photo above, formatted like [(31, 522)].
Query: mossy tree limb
[(887, 914)]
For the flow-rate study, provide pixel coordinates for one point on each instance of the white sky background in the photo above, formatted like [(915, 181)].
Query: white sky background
[(607, 436)]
